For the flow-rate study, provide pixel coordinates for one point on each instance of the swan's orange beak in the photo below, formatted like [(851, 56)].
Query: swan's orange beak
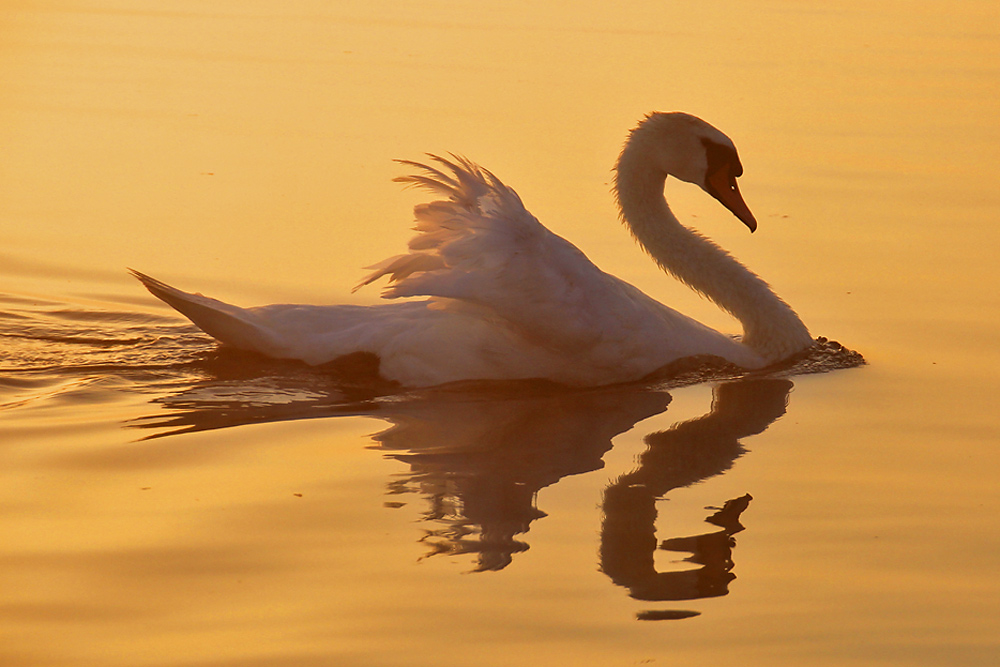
[(723, 187)]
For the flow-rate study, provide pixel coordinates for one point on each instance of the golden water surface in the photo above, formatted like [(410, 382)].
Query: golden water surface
[(162, 503)]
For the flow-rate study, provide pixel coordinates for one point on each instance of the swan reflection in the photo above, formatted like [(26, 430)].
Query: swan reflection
[(479, 457)]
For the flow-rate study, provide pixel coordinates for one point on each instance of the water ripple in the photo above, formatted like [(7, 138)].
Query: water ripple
[(49, 348)]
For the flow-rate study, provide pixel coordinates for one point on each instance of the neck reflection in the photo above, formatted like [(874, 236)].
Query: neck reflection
[(688, 452)]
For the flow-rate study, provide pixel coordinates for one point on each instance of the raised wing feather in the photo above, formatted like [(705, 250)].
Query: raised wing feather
[(480, 225), (480, 245)]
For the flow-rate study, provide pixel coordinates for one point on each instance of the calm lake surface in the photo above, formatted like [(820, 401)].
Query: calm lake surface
[(164, 502)]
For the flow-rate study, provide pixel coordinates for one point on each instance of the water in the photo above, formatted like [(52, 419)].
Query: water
[(164, 502)]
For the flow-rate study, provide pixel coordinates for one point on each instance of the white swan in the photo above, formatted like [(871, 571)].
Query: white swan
[(509, 299)]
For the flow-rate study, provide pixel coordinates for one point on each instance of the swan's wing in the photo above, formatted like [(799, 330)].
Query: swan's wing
[(480, 245), (476, 230)]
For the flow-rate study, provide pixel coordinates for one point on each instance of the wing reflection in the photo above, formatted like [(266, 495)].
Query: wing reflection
[(481, 462), (479, 457)]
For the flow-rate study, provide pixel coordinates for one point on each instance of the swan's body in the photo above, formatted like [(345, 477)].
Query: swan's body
[(509, 299)]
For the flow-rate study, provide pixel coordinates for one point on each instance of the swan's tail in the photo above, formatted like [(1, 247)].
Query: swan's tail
[(228, 324)]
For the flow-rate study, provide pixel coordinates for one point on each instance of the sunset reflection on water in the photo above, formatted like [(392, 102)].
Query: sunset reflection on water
[(164, 503)]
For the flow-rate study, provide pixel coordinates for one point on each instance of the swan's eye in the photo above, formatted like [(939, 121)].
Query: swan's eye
[(721, 158), (722, 169)]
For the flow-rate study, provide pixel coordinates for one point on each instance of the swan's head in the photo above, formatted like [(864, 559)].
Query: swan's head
[(688, 148)]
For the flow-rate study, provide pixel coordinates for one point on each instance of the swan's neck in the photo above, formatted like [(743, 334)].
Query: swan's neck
[(770, 327)]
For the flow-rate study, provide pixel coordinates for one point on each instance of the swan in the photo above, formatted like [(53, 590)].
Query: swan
[(505, 298)]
